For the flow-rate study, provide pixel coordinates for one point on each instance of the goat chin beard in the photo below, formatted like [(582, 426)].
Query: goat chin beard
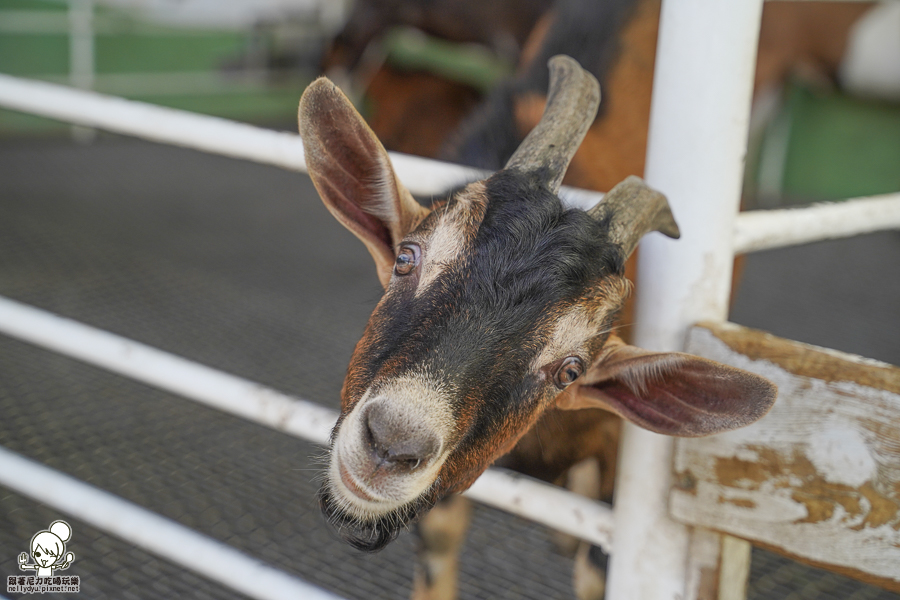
[(369, 530)]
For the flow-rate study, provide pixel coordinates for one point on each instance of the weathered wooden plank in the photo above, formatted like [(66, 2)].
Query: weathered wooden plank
[(817, 478)]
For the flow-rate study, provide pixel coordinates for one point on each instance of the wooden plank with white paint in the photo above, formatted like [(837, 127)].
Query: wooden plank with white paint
[(818, 478)]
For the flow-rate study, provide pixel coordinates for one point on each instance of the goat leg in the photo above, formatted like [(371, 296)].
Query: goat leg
[(441, 533)]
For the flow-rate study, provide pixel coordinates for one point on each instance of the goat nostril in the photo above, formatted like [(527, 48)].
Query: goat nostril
[(373, 442), (394, 444)]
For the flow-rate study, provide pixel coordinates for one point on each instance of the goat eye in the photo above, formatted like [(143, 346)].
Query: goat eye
[(407, 259), (570, 370)]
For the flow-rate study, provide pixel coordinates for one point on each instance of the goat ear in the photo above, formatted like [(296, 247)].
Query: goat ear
[(672, 393), (353, 174)]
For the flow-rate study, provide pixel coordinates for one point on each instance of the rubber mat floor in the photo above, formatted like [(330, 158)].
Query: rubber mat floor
[(239, 267)]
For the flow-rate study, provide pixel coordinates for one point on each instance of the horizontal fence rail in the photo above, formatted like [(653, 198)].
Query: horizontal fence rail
[(159, 535), (527, 498), (423, 177), (767, 229), (757, 230)]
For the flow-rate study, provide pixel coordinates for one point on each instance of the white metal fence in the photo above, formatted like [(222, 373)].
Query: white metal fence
[(759, 230), (697, 139)]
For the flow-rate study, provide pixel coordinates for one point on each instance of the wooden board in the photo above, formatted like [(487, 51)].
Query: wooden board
[(817, 478)]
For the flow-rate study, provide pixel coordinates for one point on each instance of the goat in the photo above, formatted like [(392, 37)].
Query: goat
[(499, 305), (616, 41), (431, 106), (503, 25), (613, 39)]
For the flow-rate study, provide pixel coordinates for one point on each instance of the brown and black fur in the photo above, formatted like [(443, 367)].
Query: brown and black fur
[(594, 33), (482, 321)]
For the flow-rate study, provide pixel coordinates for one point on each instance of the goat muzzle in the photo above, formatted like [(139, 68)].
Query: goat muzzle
[(397, 449)]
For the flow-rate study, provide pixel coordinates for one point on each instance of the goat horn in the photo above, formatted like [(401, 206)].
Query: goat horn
[(572, 102), (632, 209)]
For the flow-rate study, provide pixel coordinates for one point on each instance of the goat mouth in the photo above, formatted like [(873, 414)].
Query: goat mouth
[(351, 485), (355, 492), (372, 533)]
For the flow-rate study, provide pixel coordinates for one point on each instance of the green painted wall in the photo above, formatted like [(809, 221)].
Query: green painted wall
[(841, 147)]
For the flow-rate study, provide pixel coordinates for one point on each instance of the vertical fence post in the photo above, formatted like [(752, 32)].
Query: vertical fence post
[(698, 134), (81, 56)]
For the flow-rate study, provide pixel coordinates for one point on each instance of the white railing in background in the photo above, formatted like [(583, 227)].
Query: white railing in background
[(81, 43), (81, 56), (86, 20), (200, 132), (767, 229), (424, 177), (161, 536)]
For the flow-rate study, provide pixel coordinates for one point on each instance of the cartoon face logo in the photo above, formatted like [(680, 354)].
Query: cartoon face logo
[(48, 549)]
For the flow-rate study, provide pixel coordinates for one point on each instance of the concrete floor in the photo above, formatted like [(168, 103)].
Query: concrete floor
[(238, 266)]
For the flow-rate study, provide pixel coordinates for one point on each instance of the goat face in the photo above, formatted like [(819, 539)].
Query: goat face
[(496, 301), (494, 305)]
